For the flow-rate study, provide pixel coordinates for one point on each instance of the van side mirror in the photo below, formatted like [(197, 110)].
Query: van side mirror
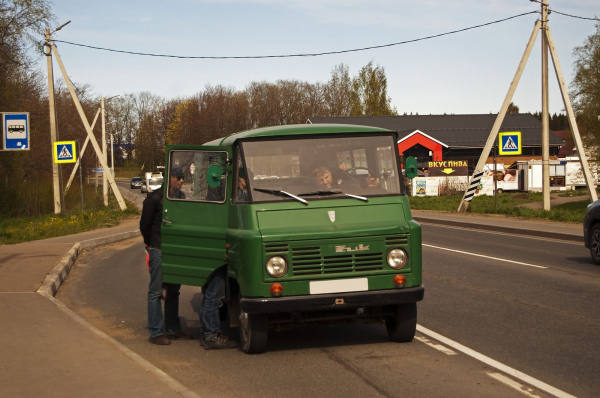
[(214, 174)]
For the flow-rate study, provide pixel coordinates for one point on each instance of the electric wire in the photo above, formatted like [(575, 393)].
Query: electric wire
[(574, 16), (299, 55)]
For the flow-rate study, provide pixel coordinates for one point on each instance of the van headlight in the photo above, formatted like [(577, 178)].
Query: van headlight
[(397, 258), (277, 266)]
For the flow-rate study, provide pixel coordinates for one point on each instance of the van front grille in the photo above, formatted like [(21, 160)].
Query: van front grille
[(310, 261)]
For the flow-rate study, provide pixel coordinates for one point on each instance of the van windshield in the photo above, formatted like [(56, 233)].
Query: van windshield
[(316, 168), (156, 181)]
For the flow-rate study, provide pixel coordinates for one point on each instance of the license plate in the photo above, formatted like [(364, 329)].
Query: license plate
[(339, 286)]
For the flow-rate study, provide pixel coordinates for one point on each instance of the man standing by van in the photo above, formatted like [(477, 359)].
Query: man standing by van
[(162, 329)]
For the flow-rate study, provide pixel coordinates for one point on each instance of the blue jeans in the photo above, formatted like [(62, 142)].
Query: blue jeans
[(157, 324), (209, 310)]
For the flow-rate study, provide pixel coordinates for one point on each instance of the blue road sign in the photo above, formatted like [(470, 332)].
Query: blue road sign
[(97, 170), (15, 131), (64, 152), (509, 143)]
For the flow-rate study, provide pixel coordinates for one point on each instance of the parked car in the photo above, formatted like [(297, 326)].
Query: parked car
[(591, 230), (136, 182)]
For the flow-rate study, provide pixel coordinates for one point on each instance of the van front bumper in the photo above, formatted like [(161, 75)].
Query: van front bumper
[(324, 302)]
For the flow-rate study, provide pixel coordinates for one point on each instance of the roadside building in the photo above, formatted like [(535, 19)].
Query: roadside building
[(448, 147), (456, 137)]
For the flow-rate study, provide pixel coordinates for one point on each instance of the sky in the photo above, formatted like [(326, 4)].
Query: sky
[(463, 73)]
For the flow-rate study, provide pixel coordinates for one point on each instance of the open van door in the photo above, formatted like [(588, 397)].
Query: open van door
[(195, 212)]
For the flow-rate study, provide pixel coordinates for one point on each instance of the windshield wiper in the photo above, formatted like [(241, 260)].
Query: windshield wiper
[(281, 193), (328, 193)]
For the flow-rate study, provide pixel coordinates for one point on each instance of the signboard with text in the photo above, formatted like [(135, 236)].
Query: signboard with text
[(448, 168), (15, 131)]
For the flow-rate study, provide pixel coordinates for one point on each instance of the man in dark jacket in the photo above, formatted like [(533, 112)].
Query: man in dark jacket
[(167, 328)]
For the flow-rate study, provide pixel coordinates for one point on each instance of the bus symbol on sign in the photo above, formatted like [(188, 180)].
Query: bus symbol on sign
[(15, 131)]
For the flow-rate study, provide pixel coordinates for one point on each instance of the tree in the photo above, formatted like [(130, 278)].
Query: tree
[(585, 91), (338, 92), (512, 109), (369, 93)]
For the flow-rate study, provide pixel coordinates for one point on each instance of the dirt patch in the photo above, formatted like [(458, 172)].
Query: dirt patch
[(522, 196)]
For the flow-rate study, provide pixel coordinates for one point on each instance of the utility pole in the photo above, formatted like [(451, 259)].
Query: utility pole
[(104, 179), (112, 156), (545, 118), (478, 173), (59, 202)]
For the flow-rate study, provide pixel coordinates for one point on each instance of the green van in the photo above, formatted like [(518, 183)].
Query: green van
[(311, 221)]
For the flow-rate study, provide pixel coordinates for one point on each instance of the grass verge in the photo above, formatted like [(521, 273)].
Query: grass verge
[(507, 205), (16, 230)]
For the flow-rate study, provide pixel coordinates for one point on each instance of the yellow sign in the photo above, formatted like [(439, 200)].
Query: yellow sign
[(509, 143), (449, 163), (65, 152)]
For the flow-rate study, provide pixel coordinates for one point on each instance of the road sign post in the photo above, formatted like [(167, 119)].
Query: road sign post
[(15, 131)]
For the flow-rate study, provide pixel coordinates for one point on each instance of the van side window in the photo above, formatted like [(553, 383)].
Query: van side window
[(189, 173), (241, 184)]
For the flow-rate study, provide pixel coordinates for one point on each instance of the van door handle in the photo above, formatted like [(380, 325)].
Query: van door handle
[(165, 221)]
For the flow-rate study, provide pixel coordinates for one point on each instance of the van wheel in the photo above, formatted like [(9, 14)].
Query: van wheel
[(253, 332), (402, 326), (500, 190), (595, 243)]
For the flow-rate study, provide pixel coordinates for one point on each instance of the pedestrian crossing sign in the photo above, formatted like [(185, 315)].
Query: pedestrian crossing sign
[(64, 152), (509, 143)]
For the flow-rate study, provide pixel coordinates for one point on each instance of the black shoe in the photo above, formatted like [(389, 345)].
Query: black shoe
[(218, 341), (160, 340), (202, 341), (179, 336)]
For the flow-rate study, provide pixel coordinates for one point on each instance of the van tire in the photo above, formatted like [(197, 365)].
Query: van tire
[(401, 327), (500, 190), (253, 332)]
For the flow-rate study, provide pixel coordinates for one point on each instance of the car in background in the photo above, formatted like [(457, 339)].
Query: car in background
[(136, 182), (591, 230)]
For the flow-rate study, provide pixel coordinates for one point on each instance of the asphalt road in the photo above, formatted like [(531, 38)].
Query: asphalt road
[(531, 304)]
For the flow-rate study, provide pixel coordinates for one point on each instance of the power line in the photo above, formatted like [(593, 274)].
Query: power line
[(574, 16), (300, 55)]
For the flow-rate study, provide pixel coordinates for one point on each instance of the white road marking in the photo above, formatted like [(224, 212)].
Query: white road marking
[(438, 347), (513, 384), (485, 231), (491, 362), (484, 256)]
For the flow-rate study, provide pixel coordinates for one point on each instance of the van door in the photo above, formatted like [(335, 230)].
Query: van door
[(195, 212)]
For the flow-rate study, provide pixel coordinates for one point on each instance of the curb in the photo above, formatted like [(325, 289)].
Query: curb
[(506, 230), (58, 275), (143, 363)]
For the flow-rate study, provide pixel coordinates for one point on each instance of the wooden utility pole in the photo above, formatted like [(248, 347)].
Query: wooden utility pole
[(104, 171), (547, 44), (545, 117), (591, 183), (59, 202), (90, 133), (470, 192)]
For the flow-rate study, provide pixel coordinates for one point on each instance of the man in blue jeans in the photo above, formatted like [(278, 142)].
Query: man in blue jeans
[(211, 336), (167, 328)]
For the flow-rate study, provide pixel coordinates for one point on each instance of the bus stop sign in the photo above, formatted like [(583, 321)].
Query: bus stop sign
[(15, 131)]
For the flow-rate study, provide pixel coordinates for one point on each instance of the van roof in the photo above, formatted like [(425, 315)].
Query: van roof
[(296, 129)]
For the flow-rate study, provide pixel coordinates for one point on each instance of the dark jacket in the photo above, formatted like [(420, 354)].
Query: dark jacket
[(152, 218), (342, 180)]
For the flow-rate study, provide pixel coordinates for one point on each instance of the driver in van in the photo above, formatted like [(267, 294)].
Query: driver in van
[(339, 179)]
